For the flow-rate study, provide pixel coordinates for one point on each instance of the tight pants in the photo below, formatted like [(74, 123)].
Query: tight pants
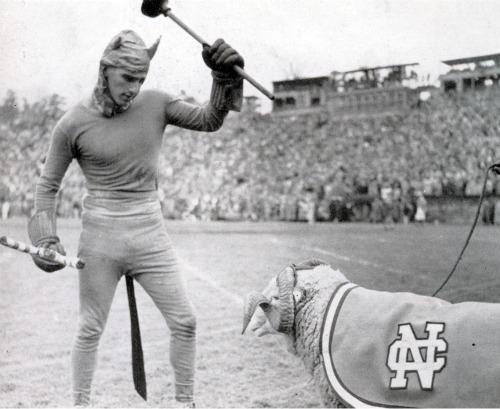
[(127, 236)]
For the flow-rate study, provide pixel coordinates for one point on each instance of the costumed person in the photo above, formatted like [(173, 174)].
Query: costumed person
[(116, 137)]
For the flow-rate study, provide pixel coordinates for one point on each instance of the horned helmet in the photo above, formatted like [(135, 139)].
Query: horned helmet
[(126, 51)]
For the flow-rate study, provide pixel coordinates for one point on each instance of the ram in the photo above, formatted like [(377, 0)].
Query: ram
[(368, 348)]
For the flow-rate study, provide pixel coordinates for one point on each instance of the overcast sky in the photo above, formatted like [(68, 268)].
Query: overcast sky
[(54, 46)]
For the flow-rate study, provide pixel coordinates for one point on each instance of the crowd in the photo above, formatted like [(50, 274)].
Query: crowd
[(263, 167), (25, 131)]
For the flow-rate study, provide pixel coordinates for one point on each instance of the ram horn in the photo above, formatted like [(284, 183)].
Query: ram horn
[(286, 284), (281, 317), (310, 264), (254, 300)]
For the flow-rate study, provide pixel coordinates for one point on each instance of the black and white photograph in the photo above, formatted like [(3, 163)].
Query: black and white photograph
[(249, 204)]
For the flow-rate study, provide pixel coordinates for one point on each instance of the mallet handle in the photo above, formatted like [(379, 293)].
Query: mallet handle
[(47, 254), (242, 73), (181, 24)]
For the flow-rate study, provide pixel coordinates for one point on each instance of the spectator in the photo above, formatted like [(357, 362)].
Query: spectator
[(489, 211), (420, 215)]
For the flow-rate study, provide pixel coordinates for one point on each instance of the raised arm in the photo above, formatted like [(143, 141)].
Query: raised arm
[(226, 94)]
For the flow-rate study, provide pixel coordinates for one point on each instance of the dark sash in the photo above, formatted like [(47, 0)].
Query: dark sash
[(138, 371)]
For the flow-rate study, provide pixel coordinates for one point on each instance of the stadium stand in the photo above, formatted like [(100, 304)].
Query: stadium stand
[(308, 167)]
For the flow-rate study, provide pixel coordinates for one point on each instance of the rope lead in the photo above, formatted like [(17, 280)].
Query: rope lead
[(496, 169)]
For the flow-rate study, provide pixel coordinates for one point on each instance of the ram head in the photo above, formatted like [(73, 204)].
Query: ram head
[(284, 295)]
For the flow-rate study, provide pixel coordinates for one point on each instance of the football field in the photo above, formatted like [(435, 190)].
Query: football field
[(222, 262)]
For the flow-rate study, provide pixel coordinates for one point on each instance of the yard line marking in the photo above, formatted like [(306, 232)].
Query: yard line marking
[(356, 260), (344, 258), (203, 276)]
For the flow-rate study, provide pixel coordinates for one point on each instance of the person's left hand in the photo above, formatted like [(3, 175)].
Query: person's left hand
[(222, 57)]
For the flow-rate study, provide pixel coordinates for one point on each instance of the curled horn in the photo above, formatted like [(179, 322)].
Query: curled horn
[(286, 283), (309, 264), (282, 316), (153, 48), (254, 300)]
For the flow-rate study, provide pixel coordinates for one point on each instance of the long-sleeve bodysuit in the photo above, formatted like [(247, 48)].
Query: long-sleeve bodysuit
[(118, 154), (123, 231)]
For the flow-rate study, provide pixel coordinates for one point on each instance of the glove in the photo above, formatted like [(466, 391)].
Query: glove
[(47, 265), (42, 232), (221, 57)]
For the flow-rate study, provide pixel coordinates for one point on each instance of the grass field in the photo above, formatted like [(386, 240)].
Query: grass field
[(222, 262)]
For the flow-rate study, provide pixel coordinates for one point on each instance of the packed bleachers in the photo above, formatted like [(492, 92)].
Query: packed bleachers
[(261, 167)]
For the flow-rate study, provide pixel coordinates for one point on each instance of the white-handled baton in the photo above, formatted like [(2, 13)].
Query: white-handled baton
[(47, 254)]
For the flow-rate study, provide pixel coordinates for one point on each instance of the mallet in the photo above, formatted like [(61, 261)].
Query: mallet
[(153, 8), (47, 254)]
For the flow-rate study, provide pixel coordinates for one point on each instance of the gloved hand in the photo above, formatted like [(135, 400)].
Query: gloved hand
[(47, 265), (221, 57), (42, 233)]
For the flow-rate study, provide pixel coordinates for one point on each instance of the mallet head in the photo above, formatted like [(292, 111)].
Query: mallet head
[(153, 8)]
